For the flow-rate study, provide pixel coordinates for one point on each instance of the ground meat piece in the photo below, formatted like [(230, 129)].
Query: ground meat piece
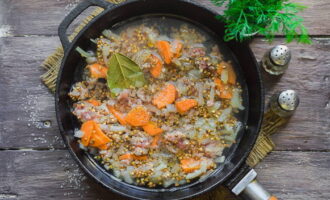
[(197, 52), (183, 144), (171, 148), (79, 91), (126, 99), (141, 140), (201, 64), (123, 96), (174, 136), (143, 95), (215, 52), (140, 151), (85, 111), (213, 149)]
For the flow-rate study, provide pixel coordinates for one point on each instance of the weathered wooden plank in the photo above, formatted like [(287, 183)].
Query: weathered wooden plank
[(296, 175), (55, 175), (309, 74), (42, 17), (26, 103), (35, 17), (46, 175)]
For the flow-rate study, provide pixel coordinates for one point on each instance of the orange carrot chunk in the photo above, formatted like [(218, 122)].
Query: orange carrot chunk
[(231, 75), (97, 70), (138, 116), (184, 105), (140, 157), (222, 65), (164, 49), (177, 46), (157, 67), (118, 115), (155, 141), (219, 69), (129, 156), (189, 165), (87, 128), (103, 147), (101, 134), (152, 129), (94, 102), (99, 139), (93, 135), (225, 91), (166, 96)]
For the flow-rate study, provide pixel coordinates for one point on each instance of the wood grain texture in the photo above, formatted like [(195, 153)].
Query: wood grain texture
[(46, 175), (296, 175), (42, 17), (308, 74), (55, 175), (26, 103)]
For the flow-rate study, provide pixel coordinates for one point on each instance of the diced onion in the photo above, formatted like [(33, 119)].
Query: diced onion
[(224, 76), (206, 175), (236, 101), (200, 89), (117, 128), (127, 177), (116, 90), (109, 34), (194, 74), (78, 133), (141, 56), (105, 53), (167, 183), (220, 159), (91, 60), (181, 88), (225, 114), (81, 146), (215, 106), (210, 102)]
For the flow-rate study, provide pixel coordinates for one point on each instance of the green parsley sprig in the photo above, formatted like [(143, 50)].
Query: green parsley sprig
[(244, 18)]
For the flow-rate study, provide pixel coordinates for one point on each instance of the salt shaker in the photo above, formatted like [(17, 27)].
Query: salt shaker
[(284, 103), (276, 60)]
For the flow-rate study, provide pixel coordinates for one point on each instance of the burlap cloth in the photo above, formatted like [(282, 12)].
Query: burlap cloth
[(263, 146)]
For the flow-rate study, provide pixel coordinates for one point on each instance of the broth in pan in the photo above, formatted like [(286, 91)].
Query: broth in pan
[(158, 102)]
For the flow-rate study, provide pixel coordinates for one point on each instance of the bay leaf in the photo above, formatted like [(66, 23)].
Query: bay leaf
[(124, 73)]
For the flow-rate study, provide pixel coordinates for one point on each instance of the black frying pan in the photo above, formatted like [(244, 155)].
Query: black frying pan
[(234, 168)]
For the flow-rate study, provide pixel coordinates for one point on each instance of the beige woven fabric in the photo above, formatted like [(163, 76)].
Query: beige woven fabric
[(263, 146)]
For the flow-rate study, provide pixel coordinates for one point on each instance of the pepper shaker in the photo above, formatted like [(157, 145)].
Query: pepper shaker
[(284, 103), (281, 106), (276, 60)]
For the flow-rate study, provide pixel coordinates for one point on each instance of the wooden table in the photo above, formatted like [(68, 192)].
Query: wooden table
[(34, 163)]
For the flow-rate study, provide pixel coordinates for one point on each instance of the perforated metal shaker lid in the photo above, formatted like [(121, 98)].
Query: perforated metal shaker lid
[(280, 55), (288, 100)]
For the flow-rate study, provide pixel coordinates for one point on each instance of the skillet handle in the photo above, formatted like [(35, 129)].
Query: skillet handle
[(244, 184), (74, 14), (255, 191)]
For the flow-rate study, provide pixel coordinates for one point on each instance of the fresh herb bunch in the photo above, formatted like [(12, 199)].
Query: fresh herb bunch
[(244, 18)]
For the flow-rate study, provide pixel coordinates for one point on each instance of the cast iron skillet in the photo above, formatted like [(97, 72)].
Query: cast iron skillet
[(234, 166)]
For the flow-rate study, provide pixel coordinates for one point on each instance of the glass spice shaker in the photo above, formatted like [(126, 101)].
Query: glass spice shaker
[(284, 103), (276, 60)]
